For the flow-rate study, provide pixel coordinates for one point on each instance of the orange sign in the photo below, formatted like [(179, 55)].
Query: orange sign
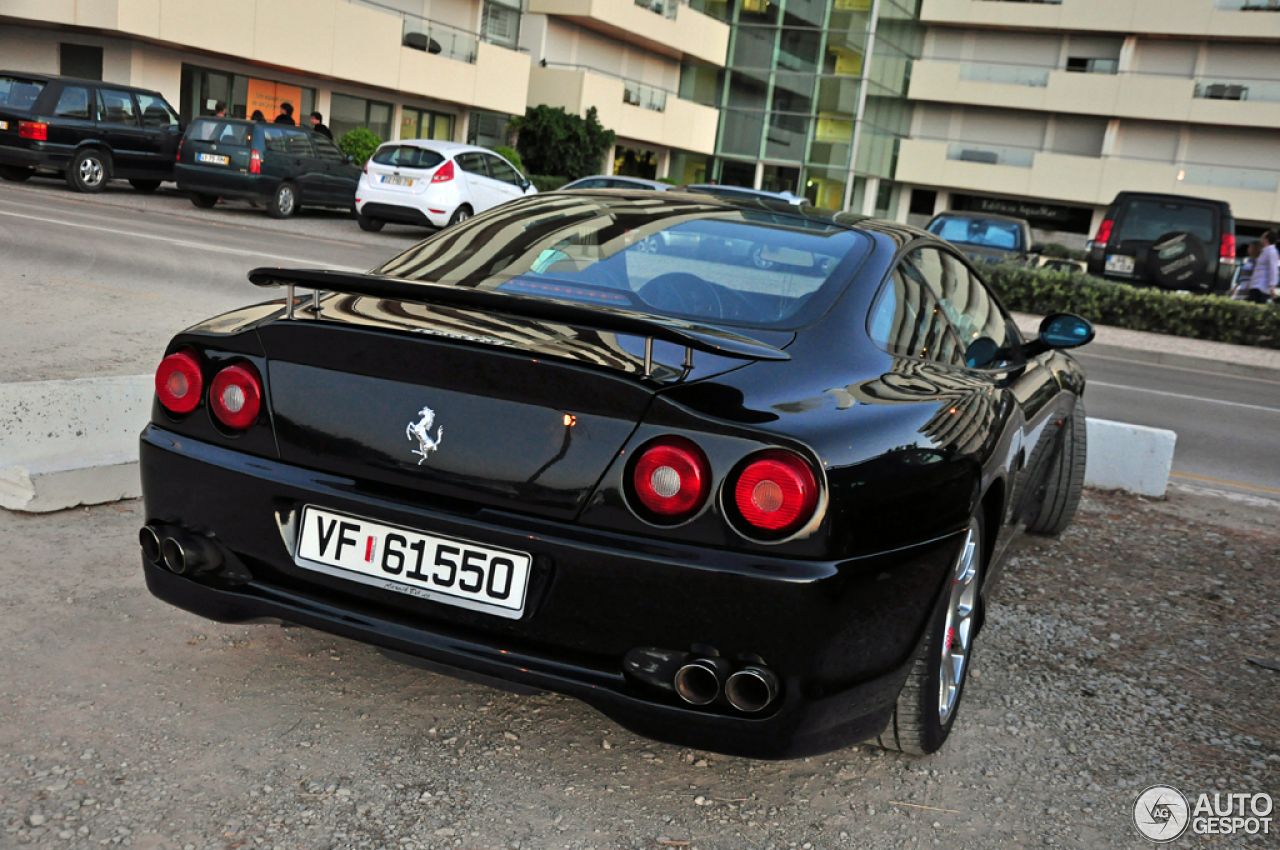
[(266, 97)]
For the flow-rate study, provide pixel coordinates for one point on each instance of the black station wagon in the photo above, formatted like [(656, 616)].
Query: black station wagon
[(753, 509), (90, 130), (284, 167)]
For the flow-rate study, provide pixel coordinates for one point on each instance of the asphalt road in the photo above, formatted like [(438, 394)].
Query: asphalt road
[(96, 285)]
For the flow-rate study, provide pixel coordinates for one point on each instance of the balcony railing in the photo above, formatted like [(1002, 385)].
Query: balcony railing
[(665, 8), (990, 155), (1248, 5), (1041, 2), (435, 37), (1221, 177), (634, 92), (1019, 75), (1265, 90)]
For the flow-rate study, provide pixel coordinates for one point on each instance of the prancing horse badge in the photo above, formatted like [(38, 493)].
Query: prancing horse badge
[(421, 430)]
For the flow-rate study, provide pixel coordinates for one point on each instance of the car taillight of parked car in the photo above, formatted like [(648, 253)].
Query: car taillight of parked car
[(443, 174), (236, 396), (178, 156), (1227, 253), (179, 381), (255, 162), (1104, 232), (672, 479), (776, 492), (33, 130)]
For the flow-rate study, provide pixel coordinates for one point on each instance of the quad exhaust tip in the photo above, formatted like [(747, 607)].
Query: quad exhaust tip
[(698, 682), (751, 689), (150, 543)]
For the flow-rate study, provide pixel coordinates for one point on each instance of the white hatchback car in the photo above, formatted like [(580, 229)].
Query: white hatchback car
[(417, 181)]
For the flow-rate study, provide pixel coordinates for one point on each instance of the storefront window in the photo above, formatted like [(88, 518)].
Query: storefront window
[(424, 124), (824, 187), (349, 112), (635, 162), (487, 129), (688, 168), (204, 89)]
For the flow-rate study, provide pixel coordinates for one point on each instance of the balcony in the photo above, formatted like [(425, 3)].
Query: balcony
[(1246, 19), (1253, 193), (634, 110), (681, 34)]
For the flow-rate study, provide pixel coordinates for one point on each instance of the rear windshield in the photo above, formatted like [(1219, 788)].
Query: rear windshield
[(680, 258), (982, 232), (219, 132), (17, 93), (407, 156), (1149, 220)]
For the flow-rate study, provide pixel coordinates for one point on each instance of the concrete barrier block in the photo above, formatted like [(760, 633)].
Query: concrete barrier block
[(68, 443), (1129, 457)]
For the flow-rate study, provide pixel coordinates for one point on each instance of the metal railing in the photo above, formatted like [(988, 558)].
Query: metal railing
[(1021, 75), (666, 8), (435, 37), (634, 92), (1219, 89), (1222, 177), (991, 155), (1248, 5)]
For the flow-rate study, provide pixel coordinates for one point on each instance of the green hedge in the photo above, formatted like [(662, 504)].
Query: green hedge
[(544, 183), (510, 155), (1210, 317)]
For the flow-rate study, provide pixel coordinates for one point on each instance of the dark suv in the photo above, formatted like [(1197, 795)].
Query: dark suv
[(91, 130), (284, 167), (1169, 241)]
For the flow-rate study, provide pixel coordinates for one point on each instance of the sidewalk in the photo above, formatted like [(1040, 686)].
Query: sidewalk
[(1244, 360)]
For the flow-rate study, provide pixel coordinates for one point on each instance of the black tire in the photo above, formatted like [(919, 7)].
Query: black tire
[(372, 225), (89, 171), (284, 202), (146, 187), (15, 173), (918, 725), (461, 214), (1065, 480), (1178, 260), (203, 201)]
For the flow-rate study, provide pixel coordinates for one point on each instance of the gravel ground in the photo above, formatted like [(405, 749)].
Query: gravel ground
[(1114, 658)]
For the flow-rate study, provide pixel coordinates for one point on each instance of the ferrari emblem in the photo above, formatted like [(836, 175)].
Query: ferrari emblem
[(421, 430)]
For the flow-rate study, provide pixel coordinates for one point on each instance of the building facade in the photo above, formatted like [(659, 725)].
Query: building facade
[(1048, 109)]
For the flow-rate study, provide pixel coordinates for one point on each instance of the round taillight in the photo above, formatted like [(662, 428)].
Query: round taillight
[(671, 478), (776, 492), (179, 381), (236, 396)]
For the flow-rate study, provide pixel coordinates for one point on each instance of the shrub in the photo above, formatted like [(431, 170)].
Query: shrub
[(544, 183), (359, 144), (510, 155), (1062, 252), (553, 141), (1210, 317)]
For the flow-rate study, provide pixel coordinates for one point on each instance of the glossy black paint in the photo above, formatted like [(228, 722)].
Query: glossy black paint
[(544, 417)]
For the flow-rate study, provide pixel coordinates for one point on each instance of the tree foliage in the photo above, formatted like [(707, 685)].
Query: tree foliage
[(552, 141), (359, 144), (510, 155)]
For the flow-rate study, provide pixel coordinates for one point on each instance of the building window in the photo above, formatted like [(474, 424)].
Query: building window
[(500, 23), (80, 60), (424, 124), (347, 113), (487, 129), (204, 90), (635, 162)]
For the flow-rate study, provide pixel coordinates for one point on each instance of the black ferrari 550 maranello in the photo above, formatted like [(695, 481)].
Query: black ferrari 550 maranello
[(740, 477)]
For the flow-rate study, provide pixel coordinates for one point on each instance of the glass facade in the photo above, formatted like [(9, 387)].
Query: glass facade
[(813, 95)]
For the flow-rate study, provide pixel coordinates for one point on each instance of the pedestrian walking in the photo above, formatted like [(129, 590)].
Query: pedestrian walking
[(1266, 271), (317, 124), (286, 114), (1253, 251)]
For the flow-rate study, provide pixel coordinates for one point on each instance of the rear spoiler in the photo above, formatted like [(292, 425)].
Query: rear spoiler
[(690, 335)]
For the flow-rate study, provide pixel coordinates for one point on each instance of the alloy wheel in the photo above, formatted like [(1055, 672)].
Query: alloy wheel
[(91, 172), (957, 639)]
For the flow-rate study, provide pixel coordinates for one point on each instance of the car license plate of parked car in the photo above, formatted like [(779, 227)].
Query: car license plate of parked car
[(4, 125), (1120, 263), (397, 180), (213, 158), (442, 569)]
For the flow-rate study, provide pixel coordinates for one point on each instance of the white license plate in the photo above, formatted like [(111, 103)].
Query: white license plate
[(4, 125), (442, 569), (213, 158), (1120, 263), (397, 180)]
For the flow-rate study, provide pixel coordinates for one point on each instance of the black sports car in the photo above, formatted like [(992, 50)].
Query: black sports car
[(752, 509)]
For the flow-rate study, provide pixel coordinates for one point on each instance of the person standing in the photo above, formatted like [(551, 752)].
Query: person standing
[(317, 124), (286, 114), (1266, 271), (219, 110)]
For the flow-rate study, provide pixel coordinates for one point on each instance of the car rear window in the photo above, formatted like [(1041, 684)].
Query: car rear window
[(982, 232), (219, 132), (1148, 220), (17, 93), (683, 259), (407, 156)]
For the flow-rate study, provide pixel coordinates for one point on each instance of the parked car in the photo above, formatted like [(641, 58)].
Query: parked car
[(416, 181), (744, 193), (1170, 241), (614, 181), (752, 511), (89, 130), (986, 237), (285, 168)]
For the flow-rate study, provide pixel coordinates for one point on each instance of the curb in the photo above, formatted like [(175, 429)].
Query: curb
[(1129, 457)]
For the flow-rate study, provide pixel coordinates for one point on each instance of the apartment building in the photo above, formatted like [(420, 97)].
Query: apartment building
[(1048, 109)]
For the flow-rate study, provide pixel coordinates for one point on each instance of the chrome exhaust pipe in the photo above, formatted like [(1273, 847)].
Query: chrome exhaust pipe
[(149, 540), (698, 682), (751, 689), (187, 554)]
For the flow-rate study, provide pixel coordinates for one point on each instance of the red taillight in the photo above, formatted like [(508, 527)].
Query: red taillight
[(672, 478), (1227, 253), (776, 492), (178, 156), (255, 162), (1104, 232), (179, 381), (443, 174), (236, 396), (365, 170), (33, 130)]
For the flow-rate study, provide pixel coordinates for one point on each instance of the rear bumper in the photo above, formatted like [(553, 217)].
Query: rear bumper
[(400, 214), (223, 183), (33, 157), (840, 635)]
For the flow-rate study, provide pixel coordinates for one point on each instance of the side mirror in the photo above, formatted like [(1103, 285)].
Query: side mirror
[(525, 184), (1065, 330)]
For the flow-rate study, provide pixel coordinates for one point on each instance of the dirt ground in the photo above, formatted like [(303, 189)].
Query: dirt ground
[(1115, 657)]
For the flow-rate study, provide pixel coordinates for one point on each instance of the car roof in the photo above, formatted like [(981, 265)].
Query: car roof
[(55, 78), (447, 148), (718, 189), (638, 181)]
